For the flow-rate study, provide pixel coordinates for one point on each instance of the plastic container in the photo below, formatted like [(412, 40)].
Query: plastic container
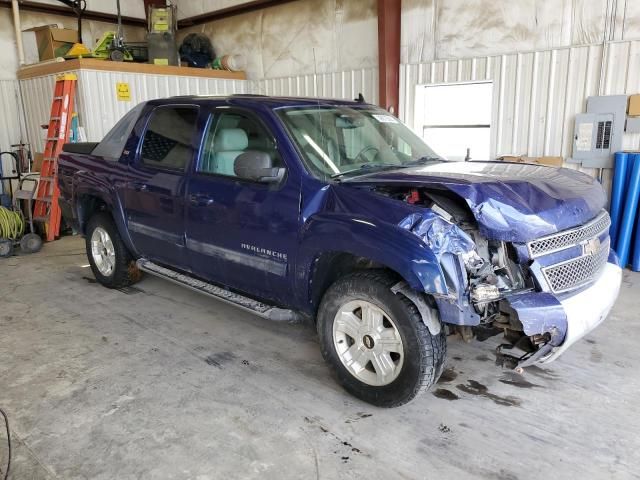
[(630, 208), (618, 192), (233, 63)]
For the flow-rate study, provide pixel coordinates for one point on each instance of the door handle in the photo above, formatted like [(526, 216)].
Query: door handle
[(201, 200)]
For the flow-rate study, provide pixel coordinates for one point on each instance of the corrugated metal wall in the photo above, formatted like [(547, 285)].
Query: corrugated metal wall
[(536, 94), (98, 107), (10, 118), (344, 85), (10, 124)]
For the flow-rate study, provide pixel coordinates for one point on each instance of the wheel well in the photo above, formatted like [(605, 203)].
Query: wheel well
[(87, 206), (330, 266)]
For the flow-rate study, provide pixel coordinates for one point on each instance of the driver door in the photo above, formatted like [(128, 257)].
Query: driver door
[(241, 233)]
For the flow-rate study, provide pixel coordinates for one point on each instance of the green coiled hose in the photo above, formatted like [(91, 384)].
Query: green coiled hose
[(11, 224)]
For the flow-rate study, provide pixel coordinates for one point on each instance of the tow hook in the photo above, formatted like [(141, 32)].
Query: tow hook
[(518, 364)]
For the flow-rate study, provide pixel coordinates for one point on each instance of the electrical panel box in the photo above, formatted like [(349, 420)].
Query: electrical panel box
[(598, 133), (592, 137)]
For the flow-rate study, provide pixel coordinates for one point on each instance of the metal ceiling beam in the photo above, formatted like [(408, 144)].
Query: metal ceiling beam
[(28, 6), (389, 54), (232, 11)]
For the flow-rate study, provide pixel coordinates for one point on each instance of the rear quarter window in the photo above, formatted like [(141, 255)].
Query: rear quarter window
[(113, 143), (167, 142)]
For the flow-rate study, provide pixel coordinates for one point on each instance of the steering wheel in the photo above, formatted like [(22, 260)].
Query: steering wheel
[(363, 151)]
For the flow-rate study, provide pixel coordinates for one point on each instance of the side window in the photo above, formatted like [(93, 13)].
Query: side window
[(229, 137), (167, 141)]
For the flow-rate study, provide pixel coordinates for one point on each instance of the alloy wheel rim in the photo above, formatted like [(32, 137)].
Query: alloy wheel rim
[(368, 343), (102, 251)]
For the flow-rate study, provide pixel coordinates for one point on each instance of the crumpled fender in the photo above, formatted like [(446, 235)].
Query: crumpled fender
[(414, 241), (449, 243), (440, 235), (384, 243)]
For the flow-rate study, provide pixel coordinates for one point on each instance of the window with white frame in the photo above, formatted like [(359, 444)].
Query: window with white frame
[(455, 119)]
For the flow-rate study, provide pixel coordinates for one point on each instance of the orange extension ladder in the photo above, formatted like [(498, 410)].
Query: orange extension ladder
[(47, 210)]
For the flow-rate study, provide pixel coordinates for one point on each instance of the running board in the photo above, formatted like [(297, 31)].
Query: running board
[(262, 309)]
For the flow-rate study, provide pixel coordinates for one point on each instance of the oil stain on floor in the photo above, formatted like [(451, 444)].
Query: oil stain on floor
[(476, 388)]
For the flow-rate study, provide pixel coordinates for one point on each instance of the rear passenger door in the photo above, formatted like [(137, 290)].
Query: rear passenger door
[(241, 233), (154, 194)]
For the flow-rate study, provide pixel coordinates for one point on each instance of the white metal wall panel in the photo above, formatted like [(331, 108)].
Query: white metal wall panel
[(10, 124), (37, 94), (97, 105), (10, 119), (343, 85), (100, 109), (536, 94)]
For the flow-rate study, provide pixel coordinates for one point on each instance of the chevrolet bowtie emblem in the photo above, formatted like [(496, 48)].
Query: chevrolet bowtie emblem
[(591, 247)]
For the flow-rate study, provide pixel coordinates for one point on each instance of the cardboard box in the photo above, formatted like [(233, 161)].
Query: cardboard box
[(551, 161), (634, 106), (52, 41), (37, 162), (511, 158)]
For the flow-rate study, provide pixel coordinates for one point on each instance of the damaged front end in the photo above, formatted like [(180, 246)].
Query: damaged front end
[(493, 286)]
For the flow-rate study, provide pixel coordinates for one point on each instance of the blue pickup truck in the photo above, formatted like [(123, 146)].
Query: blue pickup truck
[(335, 211)]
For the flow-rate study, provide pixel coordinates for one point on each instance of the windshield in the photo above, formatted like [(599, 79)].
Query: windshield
[(343, 141)]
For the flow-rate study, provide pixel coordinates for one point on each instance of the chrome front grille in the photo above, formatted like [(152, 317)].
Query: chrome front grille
[(577, 271), (568, 238)]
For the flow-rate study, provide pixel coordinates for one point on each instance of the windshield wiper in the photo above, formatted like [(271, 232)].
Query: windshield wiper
[(423, 161), (366, 167)]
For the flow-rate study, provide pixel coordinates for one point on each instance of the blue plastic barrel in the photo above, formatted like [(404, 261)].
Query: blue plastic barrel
[(635, 244), (630, 207), (635, 250), (618, 192)]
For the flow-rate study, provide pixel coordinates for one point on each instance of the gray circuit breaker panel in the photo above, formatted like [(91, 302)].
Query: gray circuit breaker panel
[(598, 133)]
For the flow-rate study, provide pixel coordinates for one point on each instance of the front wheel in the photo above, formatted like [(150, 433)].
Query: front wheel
[(376, 341), (111, 262)]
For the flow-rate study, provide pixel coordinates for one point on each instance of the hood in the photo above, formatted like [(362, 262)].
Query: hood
[(513, 202)]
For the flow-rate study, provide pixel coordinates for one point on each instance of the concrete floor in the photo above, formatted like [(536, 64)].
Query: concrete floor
[(156, 381)]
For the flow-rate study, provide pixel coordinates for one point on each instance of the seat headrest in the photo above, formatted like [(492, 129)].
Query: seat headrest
[(231, 139)]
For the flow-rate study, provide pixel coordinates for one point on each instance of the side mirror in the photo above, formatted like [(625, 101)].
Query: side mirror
[(258, 167)]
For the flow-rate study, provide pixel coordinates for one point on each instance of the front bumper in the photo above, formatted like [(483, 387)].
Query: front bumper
[(567, 317), (588, 308)]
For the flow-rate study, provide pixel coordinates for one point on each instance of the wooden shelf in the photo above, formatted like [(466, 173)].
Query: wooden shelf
[(53, 67)]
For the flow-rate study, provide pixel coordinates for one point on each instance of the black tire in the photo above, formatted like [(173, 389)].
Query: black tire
[(116, 56), (124, 272), (424, 354), (31, 243)]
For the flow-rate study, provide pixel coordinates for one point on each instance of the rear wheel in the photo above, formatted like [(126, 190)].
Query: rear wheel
[(111, 262), (376, 341)]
